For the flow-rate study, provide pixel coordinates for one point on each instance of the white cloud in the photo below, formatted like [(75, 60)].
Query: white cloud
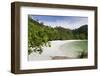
[(66, 24)]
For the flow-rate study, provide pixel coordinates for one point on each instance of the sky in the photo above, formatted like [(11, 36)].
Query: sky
[(70, 22)]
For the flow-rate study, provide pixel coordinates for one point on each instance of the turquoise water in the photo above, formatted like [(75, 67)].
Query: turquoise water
[(75, 49)]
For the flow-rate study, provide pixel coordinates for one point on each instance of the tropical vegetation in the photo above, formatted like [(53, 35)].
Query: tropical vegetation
[(40, 35)]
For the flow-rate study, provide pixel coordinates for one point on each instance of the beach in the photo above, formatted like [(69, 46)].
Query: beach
[(60, 49)]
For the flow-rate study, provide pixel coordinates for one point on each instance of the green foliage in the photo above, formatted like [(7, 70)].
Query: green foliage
[(83, 54), (39, 35), (81, 33)]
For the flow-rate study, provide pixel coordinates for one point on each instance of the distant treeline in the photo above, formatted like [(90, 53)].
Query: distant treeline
[(39, 34)]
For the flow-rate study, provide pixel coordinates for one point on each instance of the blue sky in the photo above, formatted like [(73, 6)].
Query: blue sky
[(71, 22)]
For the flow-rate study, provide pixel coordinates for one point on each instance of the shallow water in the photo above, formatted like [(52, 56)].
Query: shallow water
[(61, 49), (74, 48)]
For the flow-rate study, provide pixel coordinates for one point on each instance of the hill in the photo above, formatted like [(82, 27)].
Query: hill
[(39, 34)]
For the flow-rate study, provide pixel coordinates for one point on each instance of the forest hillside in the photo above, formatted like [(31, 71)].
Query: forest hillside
[(39, 34)]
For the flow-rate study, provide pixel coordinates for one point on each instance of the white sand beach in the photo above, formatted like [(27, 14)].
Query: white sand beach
[(59, 50)]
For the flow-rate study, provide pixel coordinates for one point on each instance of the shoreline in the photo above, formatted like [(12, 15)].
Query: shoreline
[(54, 52)]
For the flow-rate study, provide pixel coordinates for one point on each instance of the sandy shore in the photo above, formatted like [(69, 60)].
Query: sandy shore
[(54, 52)]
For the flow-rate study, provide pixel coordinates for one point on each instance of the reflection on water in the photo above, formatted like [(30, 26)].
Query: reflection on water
[(75, 49), (62, 49)]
